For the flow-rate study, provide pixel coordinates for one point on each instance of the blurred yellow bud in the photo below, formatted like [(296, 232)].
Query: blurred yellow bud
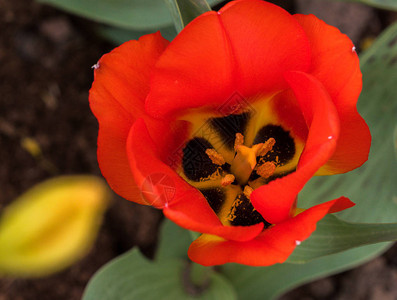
[(52, 225)]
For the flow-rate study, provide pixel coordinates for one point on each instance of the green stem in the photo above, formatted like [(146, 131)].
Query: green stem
[(196, 278)]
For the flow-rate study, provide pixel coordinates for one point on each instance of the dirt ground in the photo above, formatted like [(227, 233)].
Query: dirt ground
[(45, 74)]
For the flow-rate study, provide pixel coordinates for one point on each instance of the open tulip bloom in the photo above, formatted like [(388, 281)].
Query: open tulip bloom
[(222, 127)]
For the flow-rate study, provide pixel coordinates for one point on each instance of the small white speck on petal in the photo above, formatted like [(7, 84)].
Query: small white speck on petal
[(298, 242), (353, 49), (96, 66), (330, 137)]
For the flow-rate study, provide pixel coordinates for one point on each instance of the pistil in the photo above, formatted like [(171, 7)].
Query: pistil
[(245, 161)]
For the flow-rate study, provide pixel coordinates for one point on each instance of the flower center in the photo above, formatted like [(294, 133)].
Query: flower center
[(227, 158), (246, 160)]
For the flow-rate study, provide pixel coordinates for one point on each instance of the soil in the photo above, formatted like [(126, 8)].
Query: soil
[(45, 74)]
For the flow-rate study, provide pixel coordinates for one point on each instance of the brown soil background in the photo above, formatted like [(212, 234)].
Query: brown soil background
[(45, 74)]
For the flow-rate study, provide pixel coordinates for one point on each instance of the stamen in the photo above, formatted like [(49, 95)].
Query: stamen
[(266, 170), (267, 146), (248, 191), (227, 180), (215, 157), (238, 141)]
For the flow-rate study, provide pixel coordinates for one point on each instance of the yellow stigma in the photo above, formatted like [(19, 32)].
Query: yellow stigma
[(245, 160)]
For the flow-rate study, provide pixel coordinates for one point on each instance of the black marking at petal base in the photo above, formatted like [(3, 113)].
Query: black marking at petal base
[(280, 175), (284, 148), (195, 162), (215, 198), (227, 127), (246, 215)]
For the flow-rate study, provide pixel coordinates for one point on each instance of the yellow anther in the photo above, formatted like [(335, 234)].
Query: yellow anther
[(267, 146), (266, 170), (248, 191), (238, 141), (227, 180), (215, 157)]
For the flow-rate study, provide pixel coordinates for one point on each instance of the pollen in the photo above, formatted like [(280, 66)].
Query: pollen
[(267, 147), (227, 180), (232, 214), (266, 170), (215, 157), (213, 176), (238, 141)]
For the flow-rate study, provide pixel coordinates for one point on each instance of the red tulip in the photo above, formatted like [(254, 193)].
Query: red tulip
[(222, 127)]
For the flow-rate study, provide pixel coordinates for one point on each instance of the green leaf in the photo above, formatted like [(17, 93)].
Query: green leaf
[(174, 242), (139, 15), (52, 225), (118, 36), (373, 187), (131, 276), (334, 235), (270, 282), (184, 11)]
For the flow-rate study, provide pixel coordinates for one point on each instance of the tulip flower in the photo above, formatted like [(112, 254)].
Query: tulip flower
[(222, 127)]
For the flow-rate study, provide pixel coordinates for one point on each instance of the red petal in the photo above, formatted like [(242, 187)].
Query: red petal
[(273, 246), (117, 98), (287, 109), (183, 204), (336, 65), (245, 48), (274, 200)]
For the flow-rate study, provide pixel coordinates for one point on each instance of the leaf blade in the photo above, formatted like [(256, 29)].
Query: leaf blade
[(131, 277), (138, 15)]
